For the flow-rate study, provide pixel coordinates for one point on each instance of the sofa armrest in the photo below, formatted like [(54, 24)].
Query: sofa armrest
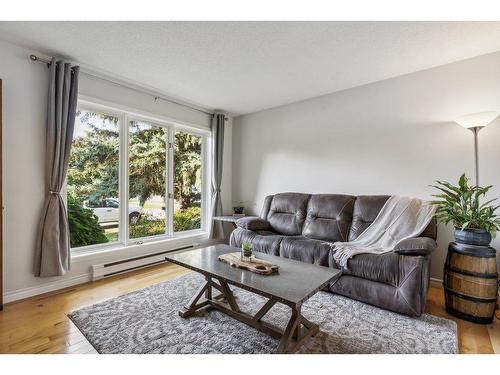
[(252, 223), (416, 246)]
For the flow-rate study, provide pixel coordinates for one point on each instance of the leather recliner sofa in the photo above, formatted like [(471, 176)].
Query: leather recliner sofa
[(304, 226)]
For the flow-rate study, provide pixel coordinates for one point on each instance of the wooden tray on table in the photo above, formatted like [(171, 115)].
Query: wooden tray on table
[(256, 265)]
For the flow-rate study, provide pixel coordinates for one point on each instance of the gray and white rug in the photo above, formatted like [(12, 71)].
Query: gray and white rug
[(147, 321)]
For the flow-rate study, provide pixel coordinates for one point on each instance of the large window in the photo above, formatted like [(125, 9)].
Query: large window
[(131, 179)]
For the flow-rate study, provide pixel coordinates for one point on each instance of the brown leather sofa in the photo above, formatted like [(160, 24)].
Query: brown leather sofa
[(304, 226)]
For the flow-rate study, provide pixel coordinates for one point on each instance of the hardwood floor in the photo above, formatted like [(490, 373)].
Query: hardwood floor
[(40, 324), (472, 338)]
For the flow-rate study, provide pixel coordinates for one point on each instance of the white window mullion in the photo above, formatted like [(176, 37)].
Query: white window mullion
[(124, 180), (170, 182), (207, 181), (204, 169), (166, 200)]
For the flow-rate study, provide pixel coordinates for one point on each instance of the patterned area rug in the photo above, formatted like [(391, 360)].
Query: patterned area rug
[(147, 321)]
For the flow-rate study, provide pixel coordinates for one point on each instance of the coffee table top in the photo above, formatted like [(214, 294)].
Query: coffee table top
[(293, 284)]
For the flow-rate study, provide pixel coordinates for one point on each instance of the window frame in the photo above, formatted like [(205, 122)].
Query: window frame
[(125, 115)]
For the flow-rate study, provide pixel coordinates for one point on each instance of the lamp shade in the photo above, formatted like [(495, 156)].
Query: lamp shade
[(477, 120)]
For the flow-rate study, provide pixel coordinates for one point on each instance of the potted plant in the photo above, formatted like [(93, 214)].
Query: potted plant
[(475, 222), (246, 250), (239, 208)]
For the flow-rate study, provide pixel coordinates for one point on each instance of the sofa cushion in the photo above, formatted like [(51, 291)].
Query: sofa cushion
[(252, 223), (287, 213), (305, 250), (266, 207), (262, 241), (407, 299), (366, 209), (329, 217), (383, 268)]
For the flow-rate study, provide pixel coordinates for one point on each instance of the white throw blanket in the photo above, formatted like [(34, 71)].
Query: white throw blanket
[(399, 219)]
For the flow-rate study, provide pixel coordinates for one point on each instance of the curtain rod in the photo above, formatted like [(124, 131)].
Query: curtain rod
[(155, 97)]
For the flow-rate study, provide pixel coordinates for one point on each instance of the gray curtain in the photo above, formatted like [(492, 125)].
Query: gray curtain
[(218, 123), (52, 257)]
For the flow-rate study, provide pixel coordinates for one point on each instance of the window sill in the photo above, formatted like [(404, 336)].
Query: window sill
[(125, 251)]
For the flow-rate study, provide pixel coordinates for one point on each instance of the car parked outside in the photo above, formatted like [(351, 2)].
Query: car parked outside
[(108, 210)]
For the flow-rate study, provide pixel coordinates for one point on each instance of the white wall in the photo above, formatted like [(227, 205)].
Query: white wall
[(391, 137), (24, 111)]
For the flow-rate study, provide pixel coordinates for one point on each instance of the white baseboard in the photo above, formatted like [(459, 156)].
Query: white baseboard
[(436, 283), (45, 288), (90, 258), (99, 271)]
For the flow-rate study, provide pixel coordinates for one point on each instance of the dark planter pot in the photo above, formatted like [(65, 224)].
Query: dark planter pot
[(238, 210), (476, 237)]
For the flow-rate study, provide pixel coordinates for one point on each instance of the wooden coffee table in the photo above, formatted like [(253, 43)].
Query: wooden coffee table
[(292, 286)]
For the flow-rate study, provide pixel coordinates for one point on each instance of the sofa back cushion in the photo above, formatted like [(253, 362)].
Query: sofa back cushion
[(366, 209), (329, 217), (287, 213)]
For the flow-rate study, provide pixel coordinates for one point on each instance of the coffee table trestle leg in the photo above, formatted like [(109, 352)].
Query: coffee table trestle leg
[(296, 332)]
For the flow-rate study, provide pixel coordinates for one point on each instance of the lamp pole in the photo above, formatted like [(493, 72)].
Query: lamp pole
[(475, 122), (476, 130)]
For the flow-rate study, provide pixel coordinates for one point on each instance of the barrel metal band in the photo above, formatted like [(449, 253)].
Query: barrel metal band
[(472, 273), (469, 317), (470, 298), (480, 253)]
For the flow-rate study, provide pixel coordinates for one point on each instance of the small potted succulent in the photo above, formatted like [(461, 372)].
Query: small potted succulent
[(475, 222), (246, 250)]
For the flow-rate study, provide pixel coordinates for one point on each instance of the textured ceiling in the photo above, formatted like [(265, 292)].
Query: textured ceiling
[(244, 67)]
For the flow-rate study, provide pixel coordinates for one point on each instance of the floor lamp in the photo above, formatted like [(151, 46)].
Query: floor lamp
[(475, 122)]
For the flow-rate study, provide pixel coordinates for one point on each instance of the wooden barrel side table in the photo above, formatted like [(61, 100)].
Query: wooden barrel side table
[(471, 282)]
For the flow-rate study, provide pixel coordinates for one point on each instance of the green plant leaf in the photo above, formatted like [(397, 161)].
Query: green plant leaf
[(462, 205)]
